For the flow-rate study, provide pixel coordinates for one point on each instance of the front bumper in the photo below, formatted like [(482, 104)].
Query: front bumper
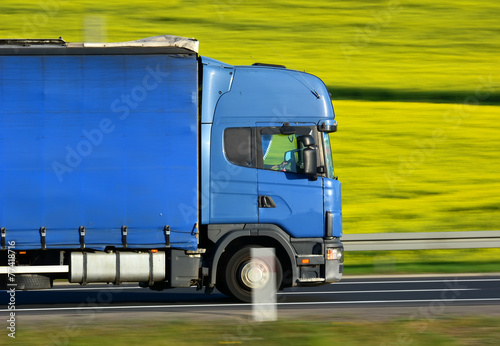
[(319, 261)]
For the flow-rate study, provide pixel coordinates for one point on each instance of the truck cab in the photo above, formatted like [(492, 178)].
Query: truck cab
[(267, 173)]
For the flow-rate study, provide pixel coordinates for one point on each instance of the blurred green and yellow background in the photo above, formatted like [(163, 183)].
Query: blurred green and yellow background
[(415, 86)]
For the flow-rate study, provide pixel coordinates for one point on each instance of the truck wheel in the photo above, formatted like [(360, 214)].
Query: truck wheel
[(28, 282), (242, 274), (221, 281)]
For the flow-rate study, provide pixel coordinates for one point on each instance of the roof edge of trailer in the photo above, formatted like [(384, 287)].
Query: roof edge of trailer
[(167, 43)]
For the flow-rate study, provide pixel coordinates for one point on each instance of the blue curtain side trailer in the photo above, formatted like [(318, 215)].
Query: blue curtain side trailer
[(112, 163), (98, 152)]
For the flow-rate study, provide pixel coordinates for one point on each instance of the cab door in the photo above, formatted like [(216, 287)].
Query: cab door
[(286, 196)]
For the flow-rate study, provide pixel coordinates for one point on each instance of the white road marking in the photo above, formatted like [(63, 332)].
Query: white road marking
[(410, 282), (187, 306), (383, 291), (93, 288), (279, 293), (335, 283)]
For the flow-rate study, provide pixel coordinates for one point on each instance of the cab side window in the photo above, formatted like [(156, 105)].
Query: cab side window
[(238, 146), (284, 152), (280, 152), (268, 148)]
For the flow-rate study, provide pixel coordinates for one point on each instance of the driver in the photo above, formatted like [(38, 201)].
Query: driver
[(285, 166)]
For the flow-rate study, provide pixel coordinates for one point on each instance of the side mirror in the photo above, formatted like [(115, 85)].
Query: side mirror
[(310, 163), (309, 157), (288, 156), (306, 141)]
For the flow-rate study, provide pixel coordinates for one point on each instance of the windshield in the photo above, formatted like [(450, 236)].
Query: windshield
[(328, 156)]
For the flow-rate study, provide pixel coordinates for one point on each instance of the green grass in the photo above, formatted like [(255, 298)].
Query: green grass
[(398, 50), (414, 330)]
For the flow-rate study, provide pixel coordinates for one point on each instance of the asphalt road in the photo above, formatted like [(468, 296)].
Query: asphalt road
[(363, 297)]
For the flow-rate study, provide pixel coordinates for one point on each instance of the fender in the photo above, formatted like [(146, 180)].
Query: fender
[(229, 234)]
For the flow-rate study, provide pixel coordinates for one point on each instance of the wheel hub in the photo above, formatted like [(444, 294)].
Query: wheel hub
[(255, 274)]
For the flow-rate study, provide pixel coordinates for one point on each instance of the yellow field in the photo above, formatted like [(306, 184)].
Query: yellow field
[(362, 49), (408, 167)]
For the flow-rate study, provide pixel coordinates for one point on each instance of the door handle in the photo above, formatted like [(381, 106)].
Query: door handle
[(266, 202)]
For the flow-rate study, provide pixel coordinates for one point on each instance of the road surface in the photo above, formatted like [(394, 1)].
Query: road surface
[(360, 297)]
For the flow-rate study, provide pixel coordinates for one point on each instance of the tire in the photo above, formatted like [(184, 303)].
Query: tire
[(221, 281), (238, 274), (27, 282)]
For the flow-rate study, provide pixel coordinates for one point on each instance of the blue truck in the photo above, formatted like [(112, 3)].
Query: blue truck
[(144, 162)]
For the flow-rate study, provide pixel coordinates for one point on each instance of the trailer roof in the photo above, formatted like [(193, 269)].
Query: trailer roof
[(164, 43)]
